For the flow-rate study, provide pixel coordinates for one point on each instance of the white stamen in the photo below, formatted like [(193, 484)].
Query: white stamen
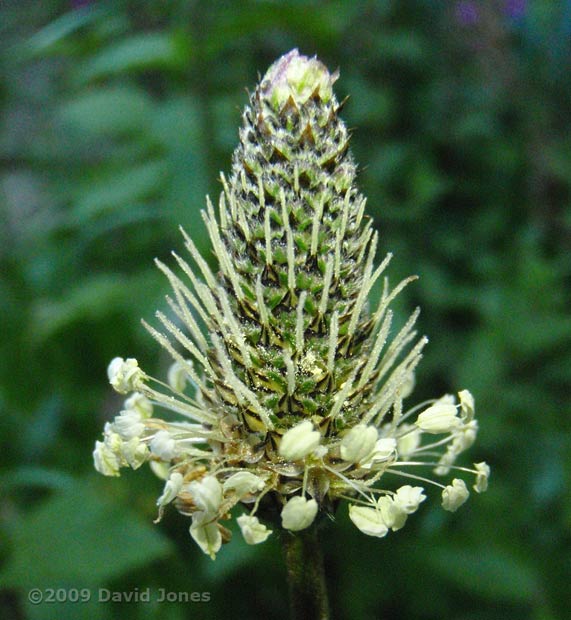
[(235, 328), (229, 195), (315, 226), (243, 393), (184, 341), (326, 286), (220, 249), (380, 342), (299, 328), (290, 373), (289, 243), (268, 237), (202, 264), (333, 334), (262, 308)]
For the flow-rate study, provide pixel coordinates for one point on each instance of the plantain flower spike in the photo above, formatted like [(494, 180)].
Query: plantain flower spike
[(287, 386)]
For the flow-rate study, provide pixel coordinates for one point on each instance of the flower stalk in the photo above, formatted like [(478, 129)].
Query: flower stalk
[(306, 575)]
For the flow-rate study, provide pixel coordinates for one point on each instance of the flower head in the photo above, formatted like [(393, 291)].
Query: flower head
[(253, 531), (298, 513), (288, 387), (454, 495)]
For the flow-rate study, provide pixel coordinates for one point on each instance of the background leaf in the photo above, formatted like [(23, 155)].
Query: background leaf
[(72, 538)]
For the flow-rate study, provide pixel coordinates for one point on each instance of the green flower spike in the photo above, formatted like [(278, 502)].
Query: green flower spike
[(288, 386)]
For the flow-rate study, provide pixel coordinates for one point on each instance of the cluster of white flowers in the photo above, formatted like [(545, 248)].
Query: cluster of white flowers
[(388, 512), (122, 445), (392, 448), (203, 483)]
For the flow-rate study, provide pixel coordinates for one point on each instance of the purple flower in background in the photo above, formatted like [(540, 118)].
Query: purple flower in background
[(79, 4), (467, 12), (515, 8)]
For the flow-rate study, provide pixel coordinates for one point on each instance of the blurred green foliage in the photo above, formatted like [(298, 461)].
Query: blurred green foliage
[(115, 120)]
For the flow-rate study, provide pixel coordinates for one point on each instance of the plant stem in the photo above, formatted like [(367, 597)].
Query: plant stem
[(306, 575)]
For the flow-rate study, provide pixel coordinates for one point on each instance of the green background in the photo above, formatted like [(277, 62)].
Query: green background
[(115, 120)]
